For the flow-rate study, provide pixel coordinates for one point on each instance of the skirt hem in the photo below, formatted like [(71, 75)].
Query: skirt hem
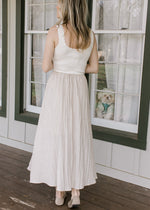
[(62, 189)]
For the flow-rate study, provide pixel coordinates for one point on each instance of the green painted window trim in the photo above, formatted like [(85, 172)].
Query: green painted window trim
[(4, 59), (101, 133)]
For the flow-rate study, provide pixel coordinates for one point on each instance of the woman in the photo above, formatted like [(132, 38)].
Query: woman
[(63, 151)]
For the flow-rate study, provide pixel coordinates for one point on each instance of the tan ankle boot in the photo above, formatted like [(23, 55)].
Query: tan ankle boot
[(59, 201), (74, 202)]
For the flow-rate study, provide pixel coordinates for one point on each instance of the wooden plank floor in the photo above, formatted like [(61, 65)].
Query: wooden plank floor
[(16, 193)]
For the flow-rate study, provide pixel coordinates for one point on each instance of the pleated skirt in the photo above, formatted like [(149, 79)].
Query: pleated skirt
[(63, 154)]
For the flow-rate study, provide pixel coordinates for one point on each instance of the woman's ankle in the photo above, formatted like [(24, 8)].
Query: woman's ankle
[(59, 193), (75, 192)]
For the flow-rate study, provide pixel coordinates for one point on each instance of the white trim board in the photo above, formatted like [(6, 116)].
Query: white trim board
[(16, 144), (123, 176)]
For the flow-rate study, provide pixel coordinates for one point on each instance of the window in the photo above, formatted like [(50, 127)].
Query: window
[(3, 57), (36, 27), (116, 92), (37, 16)]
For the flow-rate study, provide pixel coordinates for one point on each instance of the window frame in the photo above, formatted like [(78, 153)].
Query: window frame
[(100, 133), (4, 59), (20, 113), (135, 140)]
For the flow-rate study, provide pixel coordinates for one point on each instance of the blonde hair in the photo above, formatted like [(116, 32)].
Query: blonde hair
[(76, 12)]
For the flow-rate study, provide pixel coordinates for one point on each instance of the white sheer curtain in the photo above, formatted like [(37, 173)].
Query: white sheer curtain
[(122, 53)]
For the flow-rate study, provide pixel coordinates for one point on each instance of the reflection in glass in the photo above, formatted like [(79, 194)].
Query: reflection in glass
[(119, 14)]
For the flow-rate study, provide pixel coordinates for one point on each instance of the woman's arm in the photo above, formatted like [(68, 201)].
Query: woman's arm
[(92, 66), (47, 63)]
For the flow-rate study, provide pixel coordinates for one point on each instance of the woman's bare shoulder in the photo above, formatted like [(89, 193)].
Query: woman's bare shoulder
[(53, 30), (53, 34)]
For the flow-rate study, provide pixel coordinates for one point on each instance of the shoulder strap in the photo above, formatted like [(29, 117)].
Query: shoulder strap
[(60, 33)]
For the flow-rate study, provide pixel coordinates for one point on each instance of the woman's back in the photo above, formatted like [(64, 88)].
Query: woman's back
[(69, 59)]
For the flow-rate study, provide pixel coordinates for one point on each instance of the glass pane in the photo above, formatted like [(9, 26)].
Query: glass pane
[(0, 53), (38, 44), (101, 77), (40, 14), (108, 47), (36, 72), (34, 15), (129, 79), (127, 108), (34, 49), (51, 13), (107, 76), (131, 48), (37, 93), (119, 14), (121, 48)]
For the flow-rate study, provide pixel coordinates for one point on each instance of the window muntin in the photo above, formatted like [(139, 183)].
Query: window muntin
[(120, 50), (40, 15)]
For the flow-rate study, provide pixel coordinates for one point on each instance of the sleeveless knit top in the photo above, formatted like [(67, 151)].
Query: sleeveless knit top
[(70, 60)]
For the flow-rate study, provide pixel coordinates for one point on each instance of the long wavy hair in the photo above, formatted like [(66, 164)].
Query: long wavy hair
[(76, 12)]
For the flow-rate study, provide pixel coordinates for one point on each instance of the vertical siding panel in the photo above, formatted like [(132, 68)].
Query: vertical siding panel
[(102, 151), (123, 158), (30, 133)]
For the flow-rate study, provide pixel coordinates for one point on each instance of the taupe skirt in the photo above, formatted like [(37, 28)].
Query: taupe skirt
[(63, 153)]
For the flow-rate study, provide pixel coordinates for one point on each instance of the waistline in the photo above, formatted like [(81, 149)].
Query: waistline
[(69, 72)]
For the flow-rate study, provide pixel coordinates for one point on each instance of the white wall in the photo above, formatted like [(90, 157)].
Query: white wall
[(121, 162)]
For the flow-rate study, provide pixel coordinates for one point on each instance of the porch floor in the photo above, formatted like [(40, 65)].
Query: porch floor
[(17, 193)]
